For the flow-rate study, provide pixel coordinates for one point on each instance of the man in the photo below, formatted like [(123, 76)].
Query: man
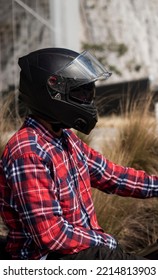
[(45, 194)]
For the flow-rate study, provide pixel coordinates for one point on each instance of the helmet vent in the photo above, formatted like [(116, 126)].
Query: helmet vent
[(57, 96)]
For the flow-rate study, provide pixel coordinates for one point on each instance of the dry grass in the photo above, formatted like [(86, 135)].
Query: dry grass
[(134, 144), (140, 227), (9, 120)]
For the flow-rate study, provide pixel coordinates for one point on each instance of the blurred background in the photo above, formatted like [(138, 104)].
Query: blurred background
[(124, 37)]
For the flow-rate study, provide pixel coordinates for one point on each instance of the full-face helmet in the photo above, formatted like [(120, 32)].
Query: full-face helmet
[(58, 85)]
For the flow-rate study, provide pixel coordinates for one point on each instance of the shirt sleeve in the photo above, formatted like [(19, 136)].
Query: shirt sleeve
[(115, 179), (35, 198)]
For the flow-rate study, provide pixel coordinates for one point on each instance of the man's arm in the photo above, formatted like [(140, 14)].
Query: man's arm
[(116, 179)]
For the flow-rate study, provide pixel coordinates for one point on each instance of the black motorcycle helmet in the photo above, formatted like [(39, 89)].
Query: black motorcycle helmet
[(58, 85)]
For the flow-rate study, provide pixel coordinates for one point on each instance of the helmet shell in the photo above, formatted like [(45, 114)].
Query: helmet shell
[(36, 68)]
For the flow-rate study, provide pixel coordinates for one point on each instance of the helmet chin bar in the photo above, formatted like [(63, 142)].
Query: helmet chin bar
[(56, 126), (78, 116), (80, 124)]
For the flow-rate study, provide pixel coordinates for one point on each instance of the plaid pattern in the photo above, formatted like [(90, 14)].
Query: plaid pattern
[(45, 193)]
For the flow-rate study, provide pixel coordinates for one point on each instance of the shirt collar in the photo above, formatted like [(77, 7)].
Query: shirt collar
[(30, 121)]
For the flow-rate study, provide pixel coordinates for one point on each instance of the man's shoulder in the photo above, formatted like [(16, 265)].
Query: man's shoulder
[(23, 141), (23, 135)]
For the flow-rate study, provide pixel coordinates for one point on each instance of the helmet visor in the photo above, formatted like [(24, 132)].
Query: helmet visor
[(84, 69)]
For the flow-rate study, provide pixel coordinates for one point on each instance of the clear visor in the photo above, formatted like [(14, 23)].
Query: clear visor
[(84, 69)]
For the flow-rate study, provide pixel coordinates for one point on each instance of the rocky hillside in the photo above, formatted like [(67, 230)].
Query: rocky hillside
[(124, 34)]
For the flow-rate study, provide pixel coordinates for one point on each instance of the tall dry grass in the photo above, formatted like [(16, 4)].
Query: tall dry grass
[(9, 119), (134, 222)]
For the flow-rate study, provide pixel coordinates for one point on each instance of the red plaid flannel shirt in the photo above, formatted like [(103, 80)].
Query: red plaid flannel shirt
[(45, 193)]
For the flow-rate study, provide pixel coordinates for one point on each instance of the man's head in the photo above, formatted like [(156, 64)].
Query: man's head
[(58, 85)]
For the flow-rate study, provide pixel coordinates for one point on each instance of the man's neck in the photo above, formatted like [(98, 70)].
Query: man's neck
[(49, 127)]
